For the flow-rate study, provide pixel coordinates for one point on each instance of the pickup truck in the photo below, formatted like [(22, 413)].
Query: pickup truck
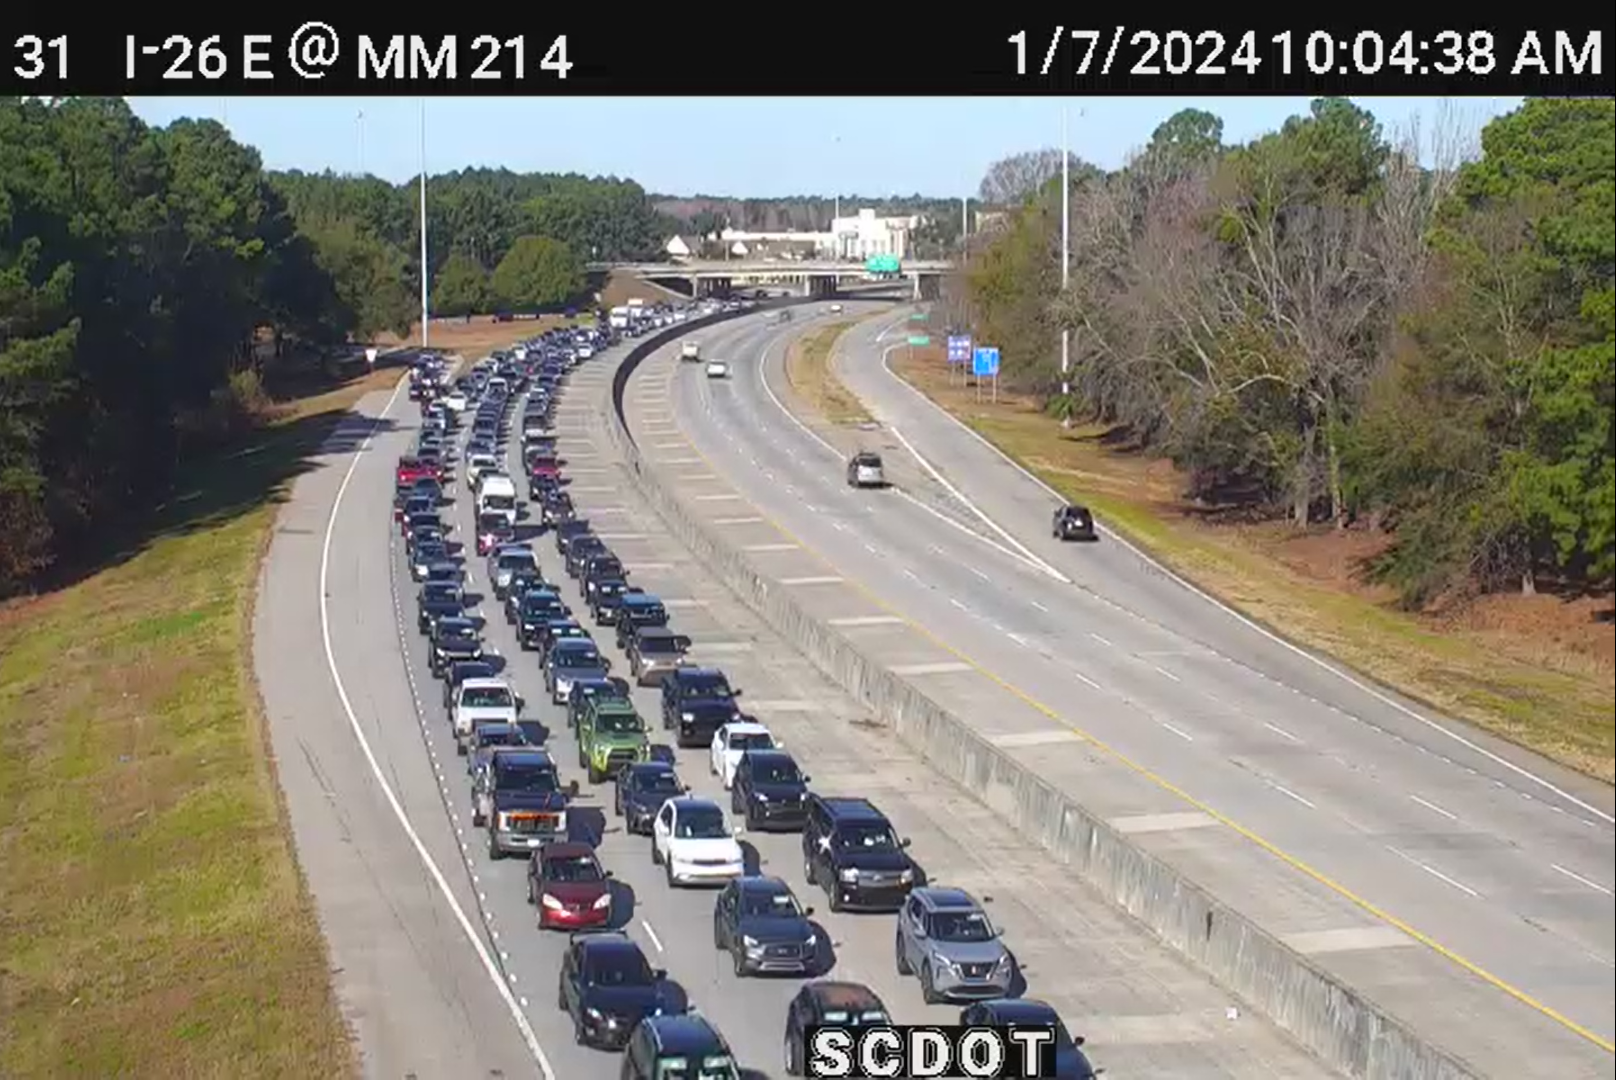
[(517, 796), (611, 736), (481, 701)]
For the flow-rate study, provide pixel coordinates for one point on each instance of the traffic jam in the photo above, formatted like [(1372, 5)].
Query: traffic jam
[(487, 450)]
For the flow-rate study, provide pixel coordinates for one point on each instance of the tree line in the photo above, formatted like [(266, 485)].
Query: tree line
[(154, 280), (1335, 326)]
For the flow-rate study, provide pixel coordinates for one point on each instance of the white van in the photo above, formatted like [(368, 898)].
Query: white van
[(690, 350), (497, 495)]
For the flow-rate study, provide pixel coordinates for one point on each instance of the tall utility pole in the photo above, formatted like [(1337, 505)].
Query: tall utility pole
[(424, 314), (359, 132), (1066, 266), (965, 221)]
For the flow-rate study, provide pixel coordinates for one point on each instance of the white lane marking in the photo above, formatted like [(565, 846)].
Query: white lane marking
[(1098, 638), (1281, 732), (725, 497), (738, 521), (956, 603), (1018, 639), (839, 526), (1180, 732), (1165, 673), (529, 1036), (1289, 794), (1039, 606), (1026, 552), (871, 548), (825, 579), (1433, 871), (1251, 624), (1434, 808), (934, 549), (770, 547), (945, 667), (865, 620), (979, 573), (645, 924), (1574, 876)]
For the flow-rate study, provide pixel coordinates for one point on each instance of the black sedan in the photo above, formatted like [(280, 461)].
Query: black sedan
[(1073, 522), (641, 790)]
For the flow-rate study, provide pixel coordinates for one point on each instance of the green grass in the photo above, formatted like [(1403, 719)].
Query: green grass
[(152, 918), (809, 372), (1545, 698)]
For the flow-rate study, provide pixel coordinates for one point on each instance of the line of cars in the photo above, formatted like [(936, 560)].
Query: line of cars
[(616, 1000)]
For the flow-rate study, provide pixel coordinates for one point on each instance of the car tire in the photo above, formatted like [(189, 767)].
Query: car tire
[(741, 970), (899, 960), (561, 1000), (532, 897), (928, 990), (460, 748), (494, 853), (656, 856), (718, 935), (808, 871), (788, 1057), (667, 871)]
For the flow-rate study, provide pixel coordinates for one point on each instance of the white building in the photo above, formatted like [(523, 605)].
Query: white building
[(679, 248), (864, 235)]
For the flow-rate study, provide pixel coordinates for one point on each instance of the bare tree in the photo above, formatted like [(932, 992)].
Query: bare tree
[(1011, 181)]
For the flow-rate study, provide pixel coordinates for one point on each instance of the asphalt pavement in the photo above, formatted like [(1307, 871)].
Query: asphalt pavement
[(438, 958), (1465, 884)]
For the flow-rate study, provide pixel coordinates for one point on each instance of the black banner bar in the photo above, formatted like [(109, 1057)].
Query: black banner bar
[(1377, 49)]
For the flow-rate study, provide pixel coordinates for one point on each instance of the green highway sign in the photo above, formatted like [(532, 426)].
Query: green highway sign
[(919, 339), (919, 316)]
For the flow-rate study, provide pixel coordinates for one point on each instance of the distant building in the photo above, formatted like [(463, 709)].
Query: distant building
[(865, 235), (679, 248)]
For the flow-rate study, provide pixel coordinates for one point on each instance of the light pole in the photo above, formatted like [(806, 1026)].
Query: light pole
[(1066, 270), (424, 313)]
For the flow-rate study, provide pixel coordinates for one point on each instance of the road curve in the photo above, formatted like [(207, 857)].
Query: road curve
[(393, 882), (1465, 885)]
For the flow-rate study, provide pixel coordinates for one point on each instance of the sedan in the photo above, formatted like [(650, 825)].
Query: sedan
[(569, 887), (733, 740)]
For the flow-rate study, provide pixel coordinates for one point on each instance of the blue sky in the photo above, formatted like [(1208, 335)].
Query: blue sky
[(759, 147)]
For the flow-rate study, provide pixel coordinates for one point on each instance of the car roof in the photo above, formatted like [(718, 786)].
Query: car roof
[(852, 996), (643, 598), (1022, 1010), (694, 802), (655, 631), (851, 808), (608, 703), (569, 850), (686, 1031), (652, 766), (457, 621), (746, 727), (694, 672), (484, 682), (611, 941), (942, 897), (773, 754), (528, 755), (763, 884)]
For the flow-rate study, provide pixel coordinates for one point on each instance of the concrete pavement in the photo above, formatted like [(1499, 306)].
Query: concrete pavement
[(417, 986), (1441, 873)]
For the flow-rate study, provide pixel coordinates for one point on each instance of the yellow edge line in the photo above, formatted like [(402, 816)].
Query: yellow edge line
[(1223, 819)]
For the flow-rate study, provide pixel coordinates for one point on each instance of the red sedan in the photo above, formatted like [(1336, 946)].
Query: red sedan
[(569, 887)]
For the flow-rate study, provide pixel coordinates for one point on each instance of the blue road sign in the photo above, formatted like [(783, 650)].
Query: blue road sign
[(985, 361), (959, 349)]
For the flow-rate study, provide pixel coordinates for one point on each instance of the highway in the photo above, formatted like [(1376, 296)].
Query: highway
[(436, 956), (1463, 883)]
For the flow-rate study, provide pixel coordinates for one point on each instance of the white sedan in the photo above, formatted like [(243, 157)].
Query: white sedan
[(733, 740), (694, 843), (456, 401), (717, 369)]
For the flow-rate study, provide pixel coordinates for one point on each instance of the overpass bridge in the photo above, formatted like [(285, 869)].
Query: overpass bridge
[(816, 278)]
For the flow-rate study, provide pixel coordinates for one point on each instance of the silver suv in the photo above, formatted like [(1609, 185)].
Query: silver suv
[(864, 470), (946, 939)]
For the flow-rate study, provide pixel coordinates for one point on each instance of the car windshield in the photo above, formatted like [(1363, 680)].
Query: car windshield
[(441, 592), (704, 686), (619, 967), (492, 522), (769, 904), (776, 772), (500, 502), (499, 736), (863, 1018), (534, 603), (660, 646), (586, 656), (570, 868), (713, 1067), (609, 588), (486, 697), (606, 568), (516, 560), (750, 740), (959, 926), (531, 731), (457, 631), (430, 550), (866, 838), (658, 783), (619, 723), (534, 778), (701, 823)]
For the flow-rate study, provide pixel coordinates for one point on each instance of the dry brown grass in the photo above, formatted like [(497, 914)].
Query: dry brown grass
[(153, 921), (808, 370), (1535, 670), (475, 338)]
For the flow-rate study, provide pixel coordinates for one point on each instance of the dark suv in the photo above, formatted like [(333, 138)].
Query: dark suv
[(850, 850), (847, 1004)]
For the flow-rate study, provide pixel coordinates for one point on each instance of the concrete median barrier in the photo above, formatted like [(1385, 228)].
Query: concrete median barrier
[(1338, 1024)]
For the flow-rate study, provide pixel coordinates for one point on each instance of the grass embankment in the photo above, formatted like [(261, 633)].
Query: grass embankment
[(477, 337), (152, 918), (1535, 670), (809, 372)]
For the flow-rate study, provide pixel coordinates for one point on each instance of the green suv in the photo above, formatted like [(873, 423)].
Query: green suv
[(611, 735)]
